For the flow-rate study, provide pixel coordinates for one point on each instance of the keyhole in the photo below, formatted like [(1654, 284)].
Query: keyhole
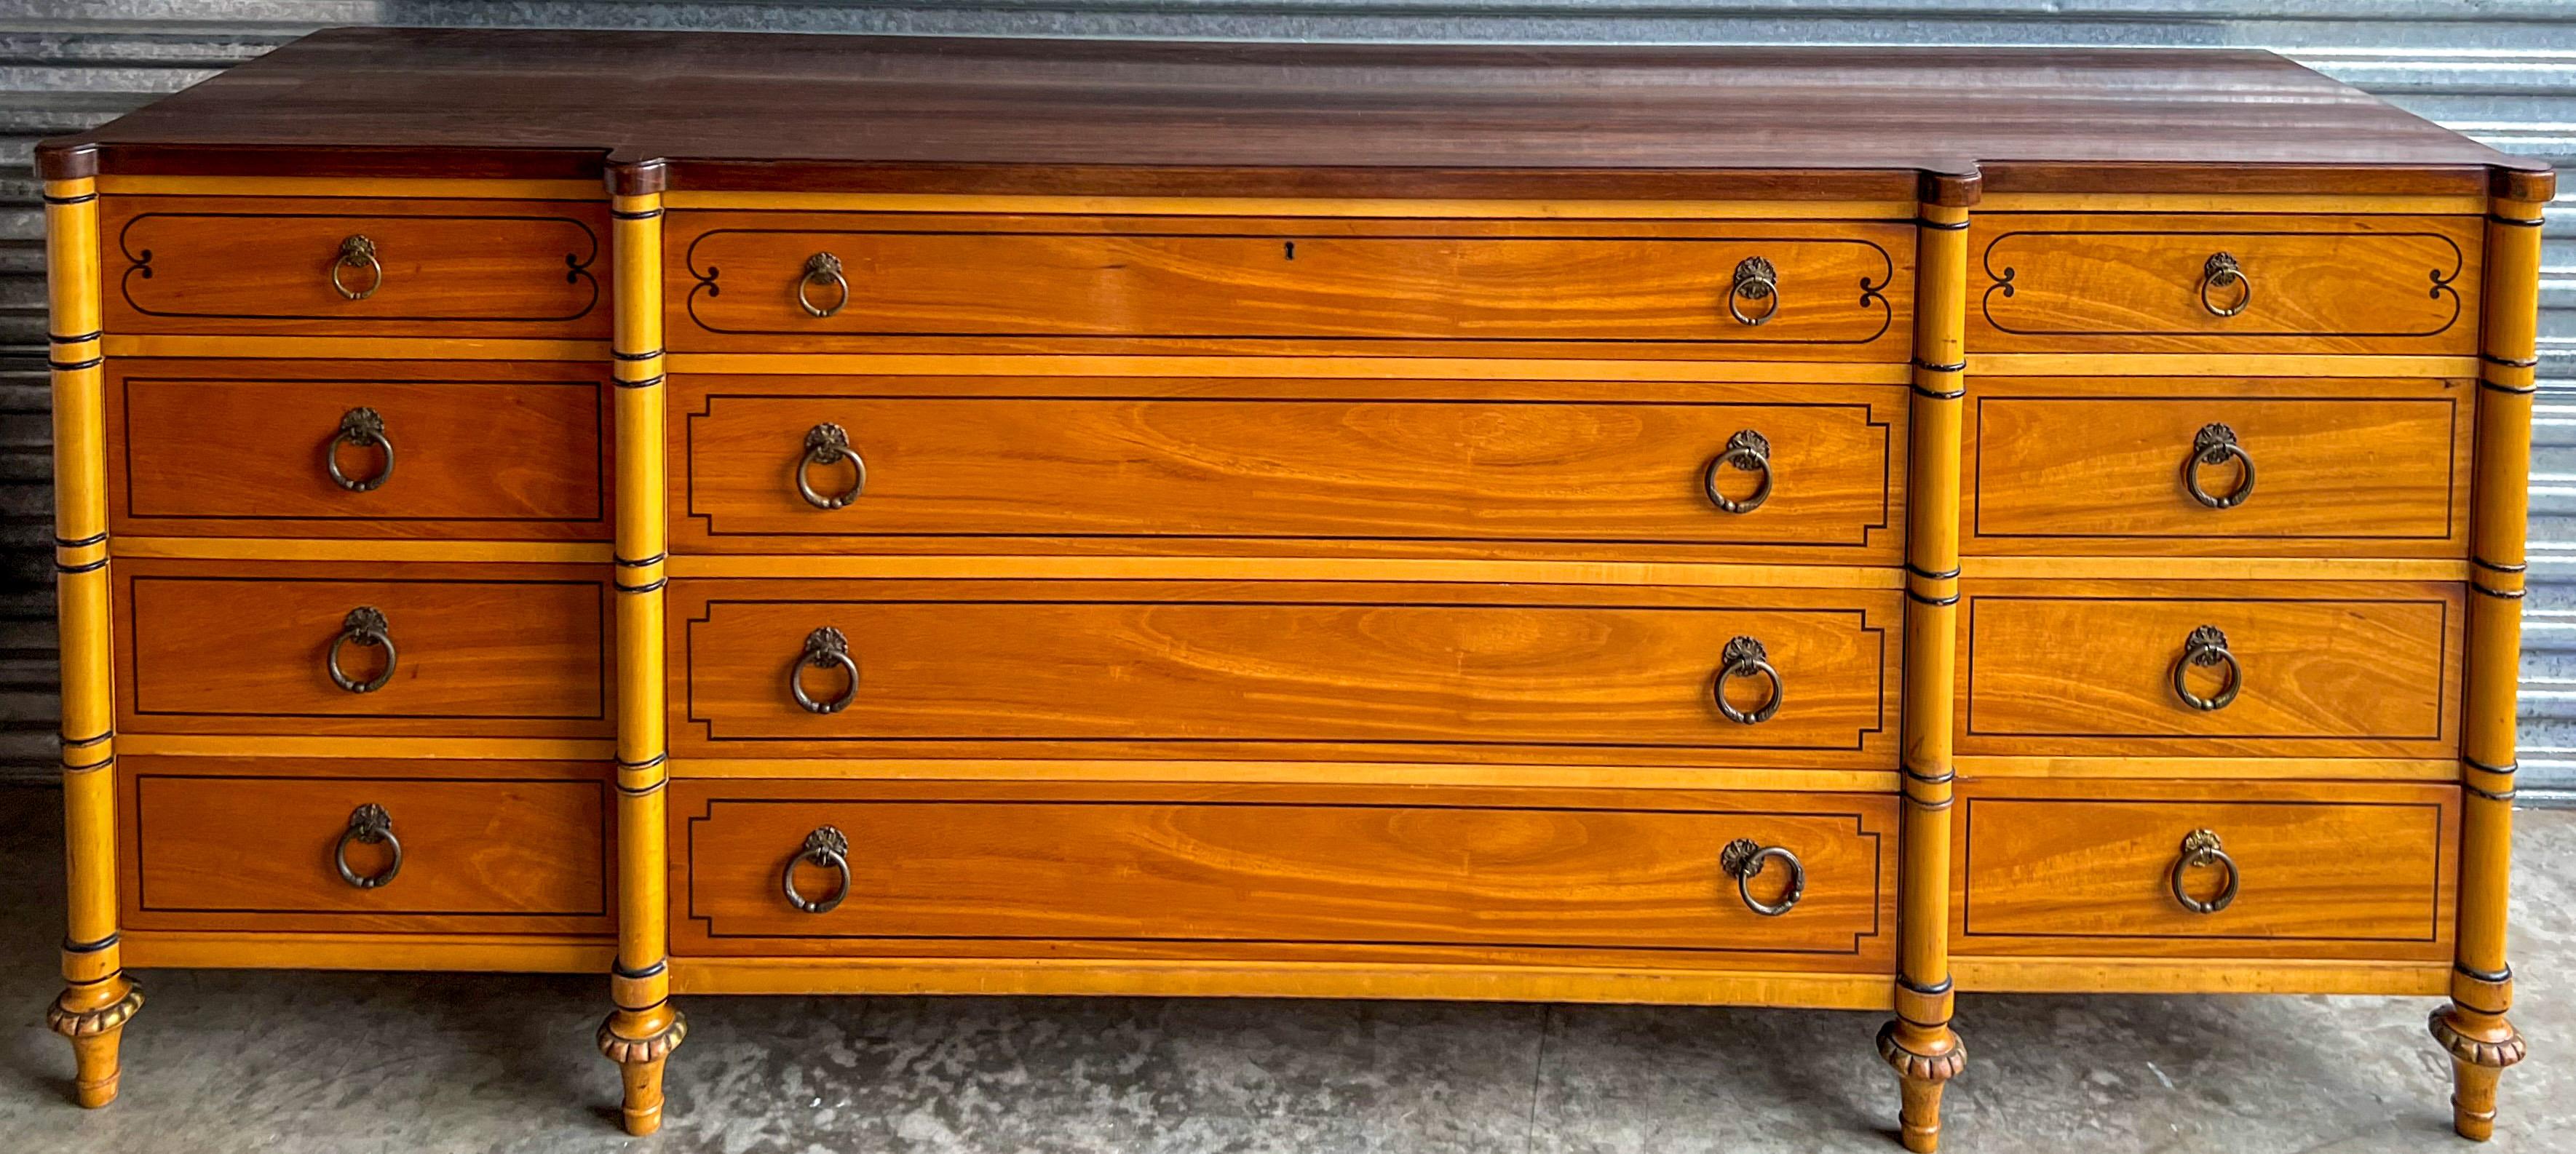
[(1290, 248)]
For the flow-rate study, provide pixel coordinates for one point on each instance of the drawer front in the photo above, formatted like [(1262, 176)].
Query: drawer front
[(2281, 468), (1843, 289), (2181, 283), (1283, 670), (1118, 470), (1112, 871), (456, 450), (2090, 869), (239, 845), (230, 647), (2317, 669), (354, 267)]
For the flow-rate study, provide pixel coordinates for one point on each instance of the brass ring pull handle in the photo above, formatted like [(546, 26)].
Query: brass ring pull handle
[(822, 268), (1747, 451), (827, 445), (357, 252), (366, 626), (2221, 272), (827, 847), (360, 427), (1744, 859), (1745, 658), (2207, 647), (1755, 280), (824, 649), (2200, 849), (2215, 444), (369, 824)]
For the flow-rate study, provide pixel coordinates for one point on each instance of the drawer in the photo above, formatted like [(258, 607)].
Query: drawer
[(426, 649), (927, 282), (1284, 670), (2317, 669), (2089, 869), (2283, 467), (2170, 282), (1389, 467), (349, 266), (459, 450), (1157, 871), (430, 847)]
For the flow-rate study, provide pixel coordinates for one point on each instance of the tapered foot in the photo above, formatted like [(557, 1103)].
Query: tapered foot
[(640, 1043), (1925, 1058), (94, 1018), (2481, 1046)]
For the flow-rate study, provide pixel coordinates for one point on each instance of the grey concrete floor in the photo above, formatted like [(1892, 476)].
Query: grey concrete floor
[(343, 1063)]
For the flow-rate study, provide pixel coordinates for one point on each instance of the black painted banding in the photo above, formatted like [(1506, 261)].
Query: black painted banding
[(648, 587), (2484, 383), (655, 559), (1929, 575), (617, 967), (77, 742), (92, 767), (1930, 806), (91, 567), (646, 383), (655, 1004), (109, 976), (2483, 563), (60, 339), (1929, 367), (1923, 223), (2499, 594), (75, 366), (2509, 362), (2518, 223), (1937, 602), (83, 198), (636, 356), (2505, 770), (98, 538), (1952, 395), (72, 947), (2488, 794), (1921, 1024), (1932, 991), (1941, 778), (647, 214), (2466, 970), (642, 790), (647, 763)]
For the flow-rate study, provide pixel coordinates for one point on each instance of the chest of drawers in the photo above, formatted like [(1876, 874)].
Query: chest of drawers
[(780, 514)]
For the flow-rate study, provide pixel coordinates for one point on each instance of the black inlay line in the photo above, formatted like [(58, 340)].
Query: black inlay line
[(2506, 768), (646, 383), (1929, 367), (98, 538), (1962, 226), (2509, 362), (109, 976), (654, 1004), (643, 791), (618, 967), (84, 338), (647, 214), (92, 767), (655, 559), (72, 947), (83, 198), (2498, 594), (647, 763), (2514, 221), (2488, 794), (2483, 563), (76, 743), (2484, 383), (636, 356), (1931, 806), (1919, 571), (1934, 990), (646, 588), (1937, 602), (2503, 975), (92, 567), (1941, 778), (75, 366), (1952, 395)]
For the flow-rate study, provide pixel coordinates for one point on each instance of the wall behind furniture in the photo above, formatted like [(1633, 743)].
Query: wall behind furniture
[(2500, 70)]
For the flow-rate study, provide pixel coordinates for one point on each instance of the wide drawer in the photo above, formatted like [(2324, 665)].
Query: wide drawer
[(2103, 282), (2105, 868), (2218, 466), (2278, 668), (288, 844), (927, 464), (354, 267), (1403, 672), (792, 281), (458, 449), (431, 649), (1565, 876)]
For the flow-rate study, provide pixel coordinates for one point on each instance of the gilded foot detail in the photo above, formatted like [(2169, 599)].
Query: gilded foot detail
[(2481, 1046), (1925, 1058), (94, 1019), (640, 1056)]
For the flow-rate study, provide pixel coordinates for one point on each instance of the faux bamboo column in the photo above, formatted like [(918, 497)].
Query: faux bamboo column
[(640, 1035), (1919, 1042)]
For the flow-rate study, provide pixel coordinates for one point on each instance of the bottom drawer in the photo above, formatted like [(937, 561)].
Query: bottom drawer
[(1359, 873)]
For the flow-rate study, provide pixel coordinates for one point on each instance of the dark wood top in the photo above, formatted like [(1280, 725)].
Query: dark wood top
[(890, 113)]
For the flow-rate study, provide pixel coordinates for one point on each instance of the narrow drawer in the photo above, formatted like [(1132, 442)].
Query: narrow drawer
[(2280, 668), (1454, 672), (1391, 467), (2104, 869), (428, 649), (785, 281), (2107, 282), (287, 845), (1568, 877), (354, 267), (458, 450)]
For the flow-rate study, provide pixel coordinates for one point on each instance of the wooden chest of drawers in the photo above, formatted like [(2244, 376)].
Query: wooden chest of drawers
[(1317, 521)]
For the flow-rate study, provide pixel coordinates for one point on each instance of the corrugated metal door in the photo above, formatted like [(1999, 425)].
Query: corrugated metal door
[(2501, 70)]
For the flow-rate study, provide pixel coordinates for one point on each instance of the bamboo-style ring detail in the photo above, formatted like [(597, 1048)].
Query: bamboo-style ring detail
[(366, 626), (1755, 280), (2207, 647), (357, 252), (2221, 271), (1745, 658), (1747, 451), (360, 427), (369, 824), (824, 649), (2200, 849), (2215, 444), (825, 846), (822, 268), (828, 444), (1744, 858)]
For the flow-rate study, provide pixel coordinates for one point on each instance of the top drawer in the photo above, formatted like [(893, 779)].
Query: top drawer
[(355, 267), (2103, 282), (822, 282)]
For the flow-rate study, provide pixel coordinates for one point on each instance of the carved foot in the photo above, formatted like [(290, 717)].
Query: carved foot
[(1925, 1058), (2481, 1046), (639, 1044), (94, 1017)]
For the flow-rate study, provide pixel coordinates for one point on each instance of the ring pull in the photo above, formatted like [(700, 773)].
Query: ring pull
[(1744, 859), (2207, 647), (2200, 849), (827, 445), (369, 824), (827, 847), (1747, 451), (365, 625), (822, 268), (1755, 280), (2220, 272), (360, 427), (1745, 658), (824, 649), (2215, 445), (357, 252)]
